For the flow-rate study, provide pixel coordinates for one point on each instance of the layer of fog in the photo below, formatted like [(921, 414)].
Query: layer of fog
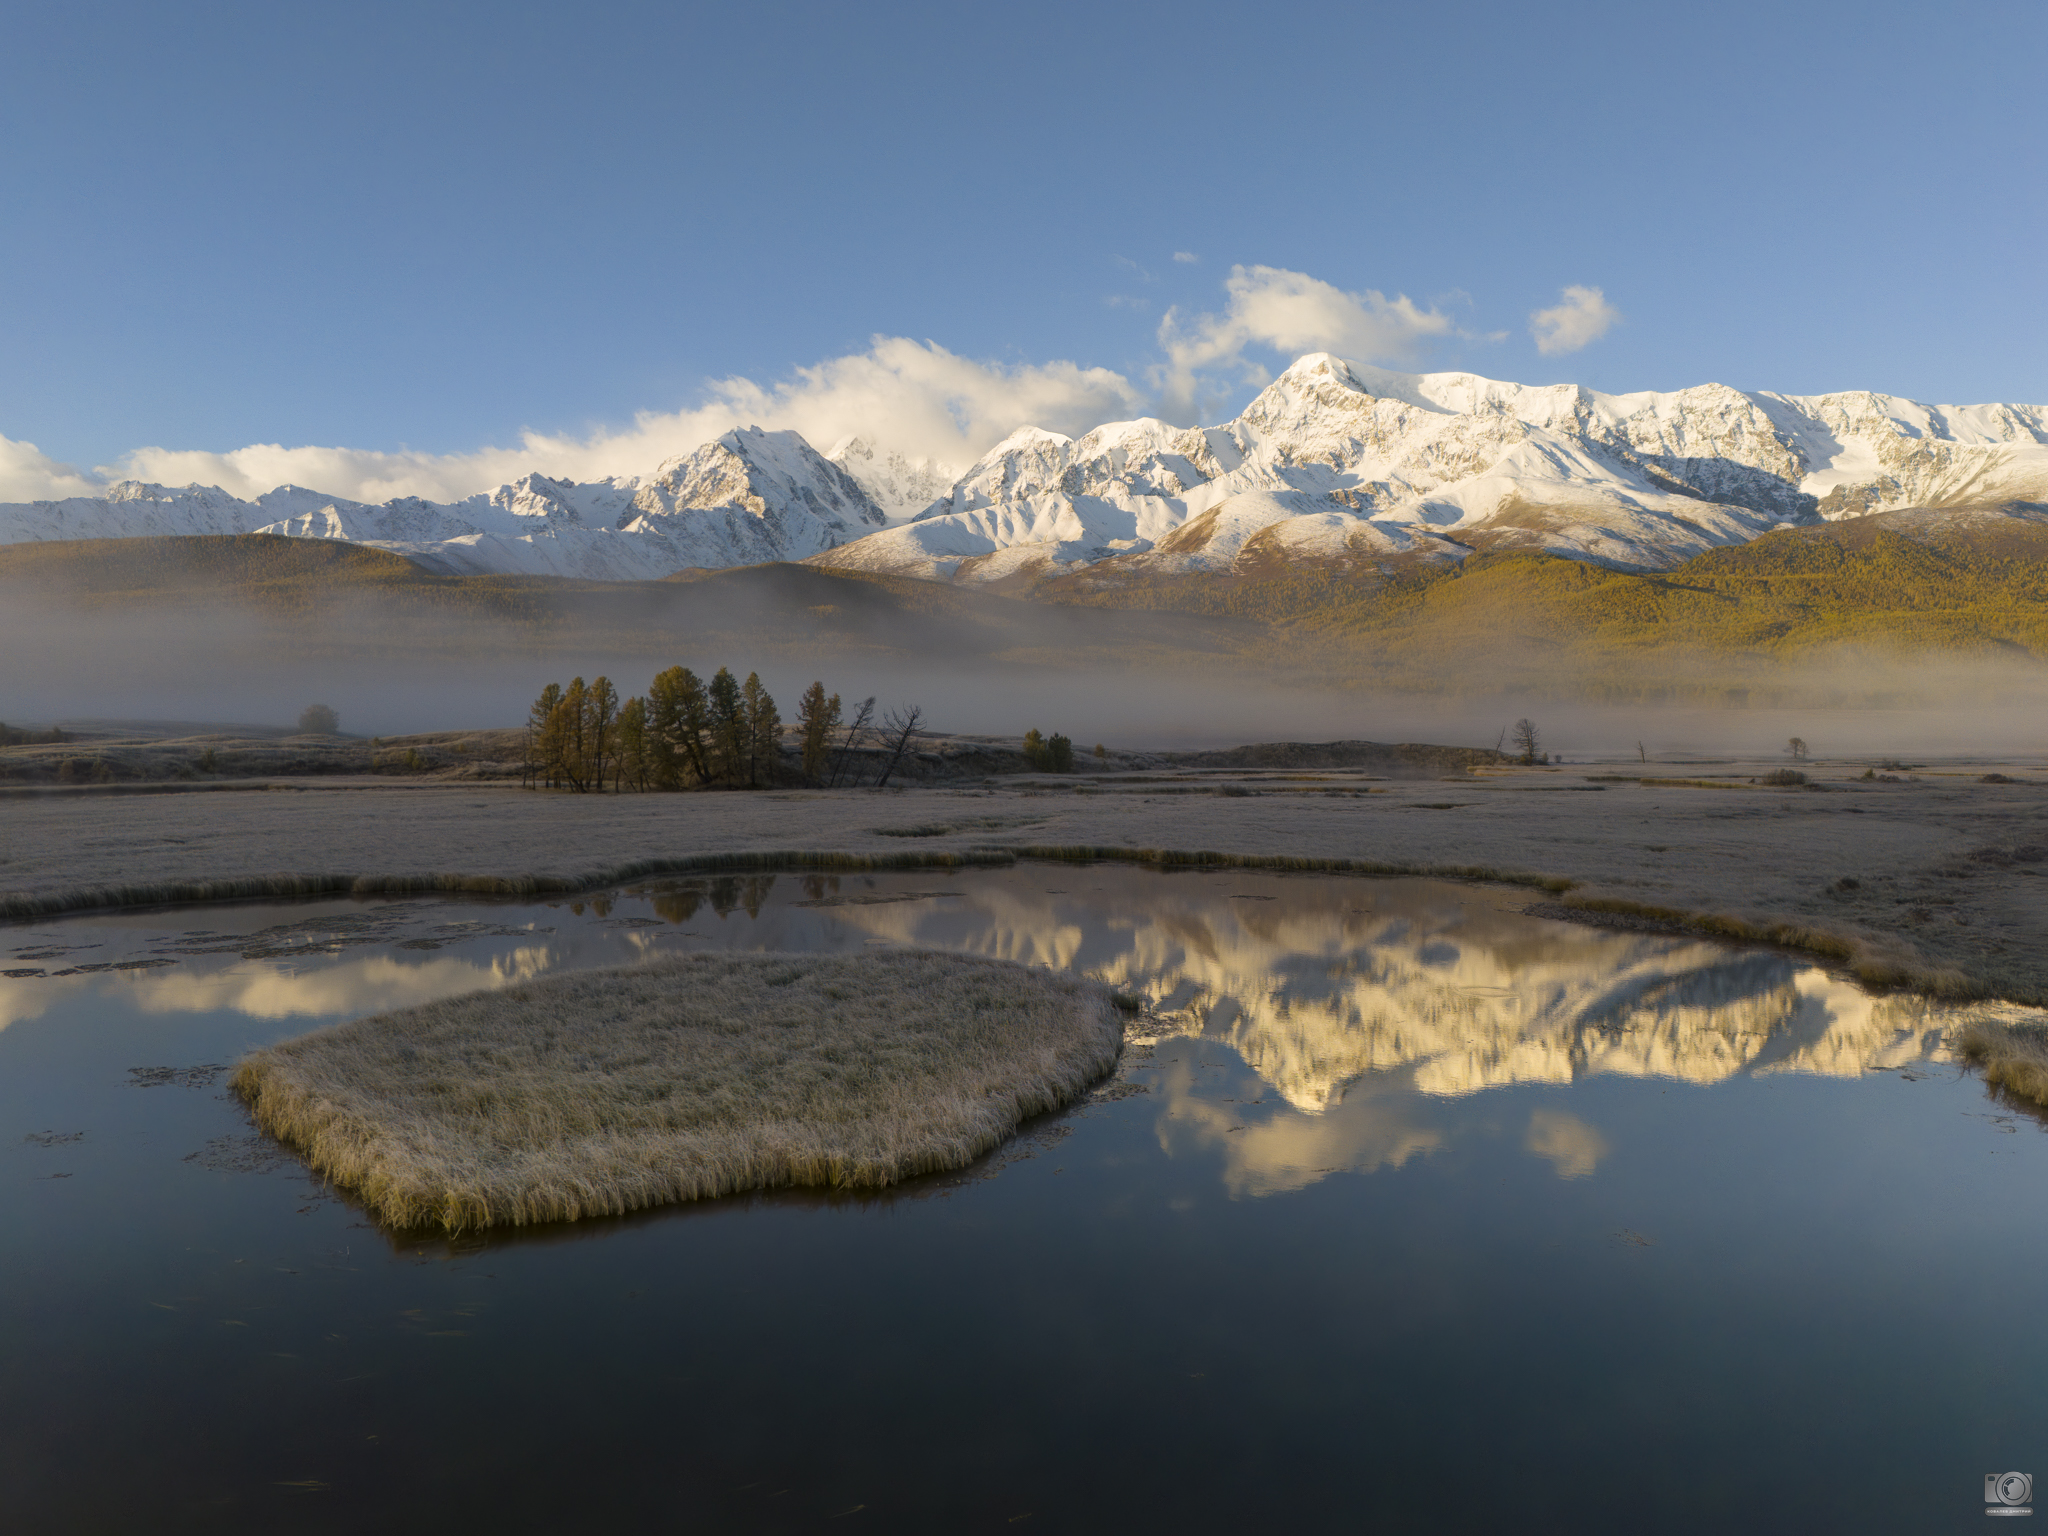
[(391, 673)]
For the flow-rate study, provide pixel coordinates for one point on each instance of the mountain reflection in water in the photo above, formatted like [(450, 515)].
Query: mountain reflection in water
[(1334, 990), (1317, 982)]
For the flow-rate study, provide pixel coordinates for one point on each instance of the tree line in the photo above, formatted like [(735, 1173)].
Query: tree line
[(16, 736), (687, 733)]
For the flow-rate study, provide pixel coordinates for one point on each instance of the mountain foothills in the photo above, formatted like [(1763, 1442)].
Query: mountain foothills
[(1814, 615), (1334, 467)]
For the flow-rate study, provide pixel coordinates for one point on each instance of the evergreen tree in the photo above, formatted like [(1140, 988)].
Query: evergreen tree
[(536, 725), (566, 732), (601, 717), (819, 717), (726, 729), (634, 758), (1059, 754), (678, 715), (764, 732)]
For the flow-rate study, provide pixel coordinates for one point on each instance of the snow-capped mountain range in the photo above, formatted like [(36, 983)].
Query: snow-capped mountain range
[(1332, 461), (750, 496)]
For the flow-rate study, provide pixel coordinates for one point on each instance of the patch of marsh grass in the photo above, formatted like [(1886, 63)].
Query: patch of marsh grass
[(1175, 858), (2012, 1056), (601, 1092)]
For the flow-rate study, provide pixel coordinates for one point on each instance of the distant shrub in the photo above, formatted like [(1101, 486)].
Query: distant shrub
[(414, 763), (1785, 777), (319, 720)]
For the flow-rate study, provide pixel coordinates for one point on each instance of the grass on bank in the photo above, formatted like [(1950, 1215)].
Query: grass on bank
[(601, 1092), (2012, 1056)]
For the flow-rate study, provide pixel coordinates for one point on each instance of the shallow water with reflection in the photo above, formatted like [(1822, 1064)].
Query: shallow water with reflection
[(1405, 1210)]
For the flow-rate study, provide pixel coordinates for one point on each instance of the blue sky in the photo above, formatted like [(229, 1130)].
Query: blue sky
[(447, 239)]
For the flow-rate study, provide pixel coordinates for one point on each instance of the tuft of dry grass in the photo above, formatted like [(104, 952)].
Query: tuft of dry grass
[(2013, 1056), (1864, 956), (600, 1092), (250, 887)]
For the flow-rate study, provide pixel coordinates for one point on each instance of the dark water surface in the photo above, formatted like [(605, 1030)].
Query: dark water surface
[(1410, 1213)]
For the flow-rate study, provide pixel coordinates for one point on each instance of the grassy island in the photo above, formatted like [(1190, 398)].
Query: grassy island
[(599, 1092)]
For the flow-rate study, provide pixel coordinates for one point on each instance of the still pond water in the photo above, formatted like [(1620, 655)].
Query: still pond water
[(1410, 1213)]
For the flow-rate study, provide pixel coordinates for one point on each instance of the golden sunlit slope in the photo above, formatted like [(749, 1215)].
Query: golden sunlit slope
[(1838, 607), (1787, 594), (1828, 612)]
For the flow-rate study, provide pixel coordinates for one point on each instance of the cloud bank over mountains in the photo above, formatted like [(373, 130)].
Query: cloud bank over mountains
[(1289, 313), (911, 400)]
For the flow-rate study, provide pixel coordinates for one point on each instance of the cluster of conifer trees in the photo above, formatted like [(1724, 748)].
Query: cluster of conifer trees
[(685, 733), (1050, 754)]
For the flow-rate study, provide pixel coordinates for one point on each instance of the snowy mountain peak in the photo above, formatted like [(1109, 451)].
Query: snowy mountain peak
[(900, 486), (1338, 458), (1334, 460)]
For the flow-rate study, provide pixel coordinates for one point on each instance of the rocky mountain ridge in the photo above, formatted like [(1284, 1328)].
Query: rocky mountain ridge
[(1340, 461), (1333, 462), (748, 497)]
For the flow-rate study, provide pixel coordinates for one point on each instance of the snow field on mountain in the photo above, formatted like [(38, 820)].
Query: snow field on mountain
[(1367, 460)]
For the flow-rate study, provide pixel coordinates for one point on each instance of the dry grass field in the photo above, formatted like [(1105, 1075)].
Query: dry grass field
[(1929, 876), (601, 1092)]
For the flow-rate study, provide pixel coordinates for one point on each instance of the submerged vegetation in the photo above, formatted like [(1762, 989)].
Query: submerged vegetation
[(602, 1092)]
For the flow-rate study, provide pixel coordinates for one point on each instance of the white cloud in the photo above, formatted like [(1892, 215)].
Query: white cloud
[(1581, 319), (26, 474), (1188, 257), (909, 397), (1291, 313), (917, 398)]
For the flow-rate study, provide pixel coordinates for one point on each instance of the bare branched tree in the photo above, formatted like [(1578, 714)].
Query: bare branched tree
[(1528, 744), (857, 728), (1797, 747), (898, 727)]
